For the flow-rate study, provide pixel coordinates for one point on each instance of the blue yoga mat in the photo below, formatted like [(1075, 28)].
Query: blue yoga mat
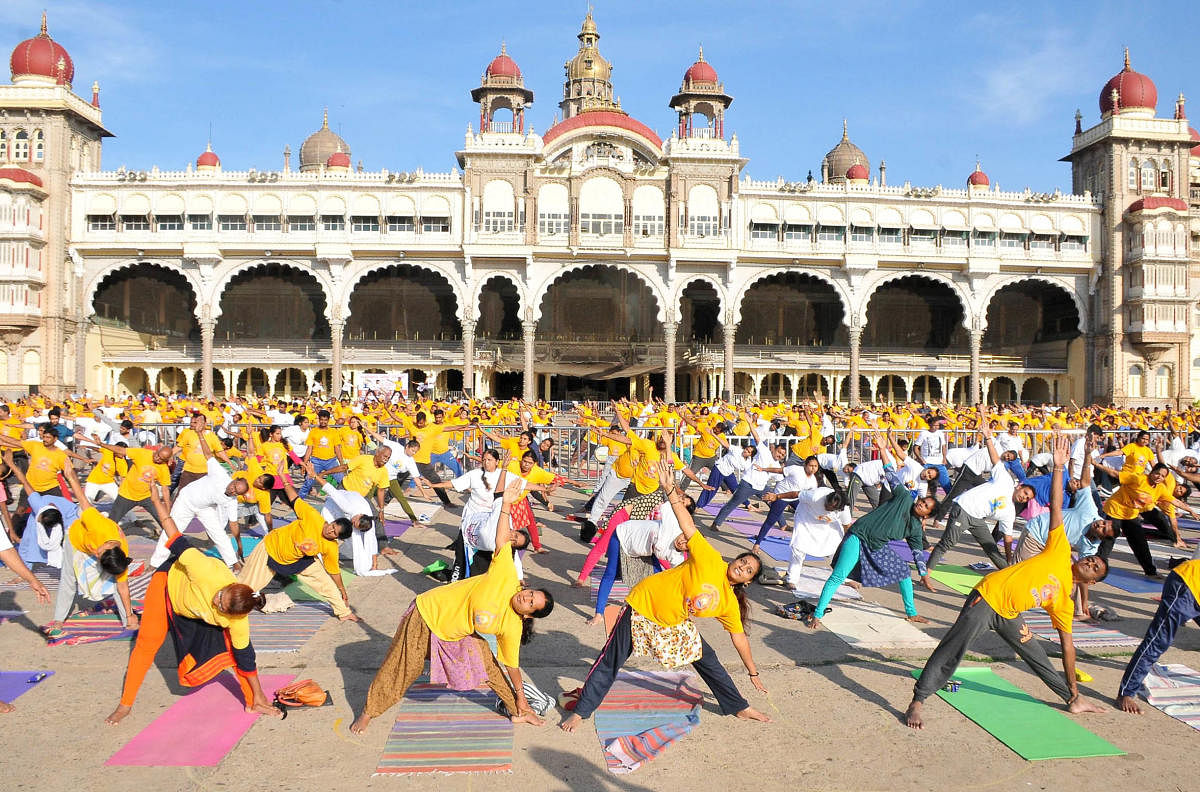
[(14, 683), (1133, 582), (248, 545)]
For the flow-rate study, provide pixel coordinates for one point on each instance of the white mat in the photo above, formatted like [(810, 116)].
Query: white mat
[(812, 580), (869, 625)]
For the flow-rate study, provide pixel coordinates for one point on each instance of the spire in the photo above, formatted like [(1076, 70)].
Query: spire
[(978, 168), (325, 119), (96, 93), (1180, 113), (44, 33), (503, 47), (1078, 122), (845, 130), (701, 58), (1127, 59)]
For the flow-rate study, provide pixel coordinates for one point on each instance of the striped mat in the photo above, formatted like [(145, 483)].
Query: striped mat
[(48, 576), (619, 590), (101, 623), (438, 730), (1174, 689), (643, 714), (288, 631), (1084, 634)]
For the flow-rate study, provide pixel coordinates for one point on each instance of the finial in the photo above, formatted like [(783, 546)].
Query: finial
[(978, 169), (96, 93), (1180, 113), (701, 59), (209, 146), (1078, 121), (503, 47), (44, 33), (845, 132), (1127, 59), (325, 119)]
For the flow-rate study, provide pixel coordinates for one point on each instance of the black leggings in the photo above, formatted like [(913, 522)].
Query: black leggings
[(1135, 533)]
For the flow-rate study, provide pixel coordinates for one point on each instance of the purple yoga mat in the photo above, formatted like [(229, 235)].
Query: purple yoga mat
[(199, 729), (14, 683), (395, 528)]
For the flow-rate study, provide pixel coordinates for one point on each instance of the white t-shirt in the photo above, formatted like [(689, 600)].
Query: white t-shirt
[(733, 463), (911, 471), (1006, 441), (992, 499), (870, 472), (297, 439), (763, 458), (343, 503), (481, 485), (795, 480), (652, 537), (933, 446), (206, 492), (816, 531)]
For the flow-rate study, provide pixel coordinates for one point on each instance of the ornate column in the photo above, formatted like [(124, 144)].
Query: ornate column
[(208, 331), (670, 329), (529, 385), (729, 331), (468, 338), (336, 328), (976, 342), (855, 335), (81, 333)]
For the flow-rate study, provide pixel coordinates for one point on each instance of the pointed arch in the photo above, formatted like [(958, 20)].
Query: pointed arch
[(351, 281), (97, 281), (534, 309), (683, 281), (1063, 285), (511, 277), (935, 277), (838, 289), (305, 267)]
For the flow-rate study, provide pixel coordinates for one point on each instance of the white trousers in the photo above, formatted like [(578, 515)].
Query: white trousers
[(608, 488), (211, 519), (92, 490)]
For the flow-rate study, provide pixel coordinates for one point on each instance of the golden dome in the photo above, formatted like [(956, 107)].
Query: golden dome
[(588, 63)]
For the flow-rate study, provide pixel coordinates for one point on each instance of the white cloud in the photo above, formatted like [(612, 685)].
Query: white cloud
[(1023, 85)]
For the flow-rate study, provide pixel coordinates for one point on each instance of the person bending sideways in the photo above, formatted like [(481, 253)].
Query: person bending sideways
[(444, 625), (197, 599), (292, 550), (998, 601), (658, 620)]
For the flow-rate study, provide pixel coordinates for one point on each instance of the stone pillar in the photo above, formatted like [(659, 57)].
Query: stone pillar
[(336, 328), (208, 330), (529, 386), (81, 334), (855, 334), (669, 331), (976, 342), (468, 328), (729, 332)]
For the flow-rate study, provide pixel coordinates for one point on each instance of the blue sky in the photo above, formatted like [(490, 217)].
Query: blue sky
[(926, 86)]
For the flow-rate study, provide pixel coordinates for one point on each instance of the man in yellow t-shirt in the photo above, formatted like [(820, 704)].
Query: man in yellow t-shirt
[(1180, 595), (324, 450), (187, 446), (367, 473), (997, 602)]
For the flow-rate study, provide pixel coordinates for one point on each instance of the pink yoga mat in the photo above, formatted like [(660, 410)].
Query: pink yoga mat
[(199, 729)]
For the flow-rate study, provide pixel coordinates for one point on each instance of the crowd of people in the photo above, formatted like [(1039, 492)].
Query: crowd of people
[(1045, 492)]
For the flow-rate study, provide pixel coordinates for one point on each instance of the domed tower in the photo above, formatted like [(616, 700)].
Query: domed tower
[(41, 60), (1128, 92), (320, 146), (502, 88), (208, 161), (589, 75), (701, 93), (841, 158), (978, 181)]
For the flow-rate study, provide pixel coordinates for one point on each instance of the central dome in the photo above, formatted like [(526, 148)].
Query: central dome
[(41, 57), (320, 146), (842, 157), (588, 63), (1134, 91)]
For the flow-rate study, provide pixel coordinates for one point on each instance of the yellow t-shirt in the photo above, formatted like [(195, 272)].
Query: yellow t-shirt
[(361, 475), (428, 435), (1190, 572), (302, 537), (1137, 458), (142, 472), (93, 529), (624, 466), (107, 468), (645, 473), (1043, 581), (324, 442), (536, 474), (260, 498), (696, 588), (44, 464), (192, 582), (479, 605), (271, 455), (352, 442), (193, 456), (706, 445), (1134, 496)]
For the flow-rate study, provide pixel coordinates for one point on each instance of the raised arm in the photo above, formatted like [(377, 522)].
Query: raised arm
[(666, 479), (1062, 454)]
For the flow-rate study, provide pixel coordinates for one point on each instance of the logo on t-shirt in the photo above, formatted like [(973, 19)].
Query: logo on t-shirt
[(484, 620), (1047, 593), (705, 600)]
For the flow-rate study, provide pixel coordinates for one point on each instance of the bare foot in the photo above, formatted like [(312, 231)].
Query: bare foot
[(1128, 704), (390, 551), (916, 619), (6, 708), (925, 581), (571, 723), (118, 715), (578, 583), (912, 716), (529, 717), (360, 723), (597, 619), (349, 617), (854, 584), (263, 708), (1084, 704), (541, 550), (752, 714), (812, 623), (756, 550)]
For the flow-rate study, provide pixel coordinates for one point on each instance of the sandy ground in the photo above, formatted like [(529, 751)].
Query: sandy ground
[(836, 710)]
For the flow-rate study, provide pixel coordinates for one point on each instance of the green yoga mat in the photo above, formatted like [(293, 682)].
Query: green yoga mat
[(959, 578), (302, 593), (1031, 728)]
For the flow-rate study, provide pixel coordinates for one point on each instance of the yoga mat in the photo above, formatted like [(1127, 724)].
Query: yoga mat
[(643, 714), (869, 625), (905, 552), (300, 592), (439, 730), (959, 578), (249, 542), (1084, 634), (619, 589), (48, 576), (288, 631), (426, 512), (11, 615), (396, 528), (100, 623), (1172, 688), (14, 683), (1032, 729), (1133, 582), (812, 580), (199, 729)]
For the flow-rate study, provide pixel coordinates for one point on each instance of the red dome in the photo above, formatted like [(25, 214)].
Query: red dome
[(1196, 137), (338, 159), (503, 66), (40, 56), (858, 172), (978, 178), (19, 175), (1133, 90), (599, 118), (700, 71), (1152, 202), (208, 159)]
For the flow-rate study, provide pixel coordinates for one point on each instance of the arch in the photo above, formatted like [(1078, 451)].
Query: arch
[(403, 302), (701, 312), (922, 218), (935, 277), (687, 280), (648, 201), (366, 205), (552, 198), (233, 204), (218, 382), (775, 386), (762, 212), (280, 305), (703, 201), (955, 220), (890, 217), (222, 283), (252, 381), (864, 389), (891, 388), (498, 195), (1162, 382), (268, 205), (133, 380), (291, 382), (486, 314), (831, 215), (169, 204), (1010, 280), (170, 380), (436, 267), (861, 216), (333, 205), (1041, 224), (926, 387), (740, 297), (1002, 390), (1036, 390), (808, 386), (135, 204), (791, 309), (601, 195), (102, 204), (93, 287), (534, 311), (198, 204), (31, 367), (435, 206), (797, 214)]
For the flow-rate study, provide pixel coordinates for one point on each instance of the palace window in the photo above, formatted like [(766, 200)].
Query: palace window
[(763, 231), (333, 223), (20, 151), (831, 233), (1162, 383), (1148, 176), (1133, 173), (1164, 176), (983, 239), (101, 223), (401, 223), (704, 225), (797, 233), (1134, 384), (199, 222), (861, 233), (923, 236), (1074, 243), (1041, 242), (39, 145), (891, 236), (554, 223), (135, 223), (601, 224), (267, 223), (169, 222), (231, 222), (497, 222), (954, 239), (1011, 240), (302, 223), (649, 225), (364, 223), (435, 225), (3, 146)]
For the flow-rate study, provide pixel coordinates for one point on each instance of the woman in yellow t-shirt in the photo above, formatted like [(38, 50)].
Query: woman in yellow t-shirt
[(443, 626), (658, 619)]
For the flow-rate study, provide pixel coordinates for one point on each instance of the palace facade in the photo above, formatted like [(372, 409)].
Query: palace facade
[(595, 259)]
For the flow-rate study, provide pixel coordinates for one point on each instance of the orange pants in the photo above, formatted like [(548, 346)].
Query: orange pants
[(150, 637)]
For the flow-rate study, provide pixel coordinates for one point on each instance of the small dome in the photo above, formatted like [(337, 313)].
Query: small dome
[(502, 65), (858, 173), (338, 159), (1134, 91), (41, 56), (20, 175), (700, 71), (1196, 137), (978, 178), (320, 146), (842, 157), (208, 159)]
